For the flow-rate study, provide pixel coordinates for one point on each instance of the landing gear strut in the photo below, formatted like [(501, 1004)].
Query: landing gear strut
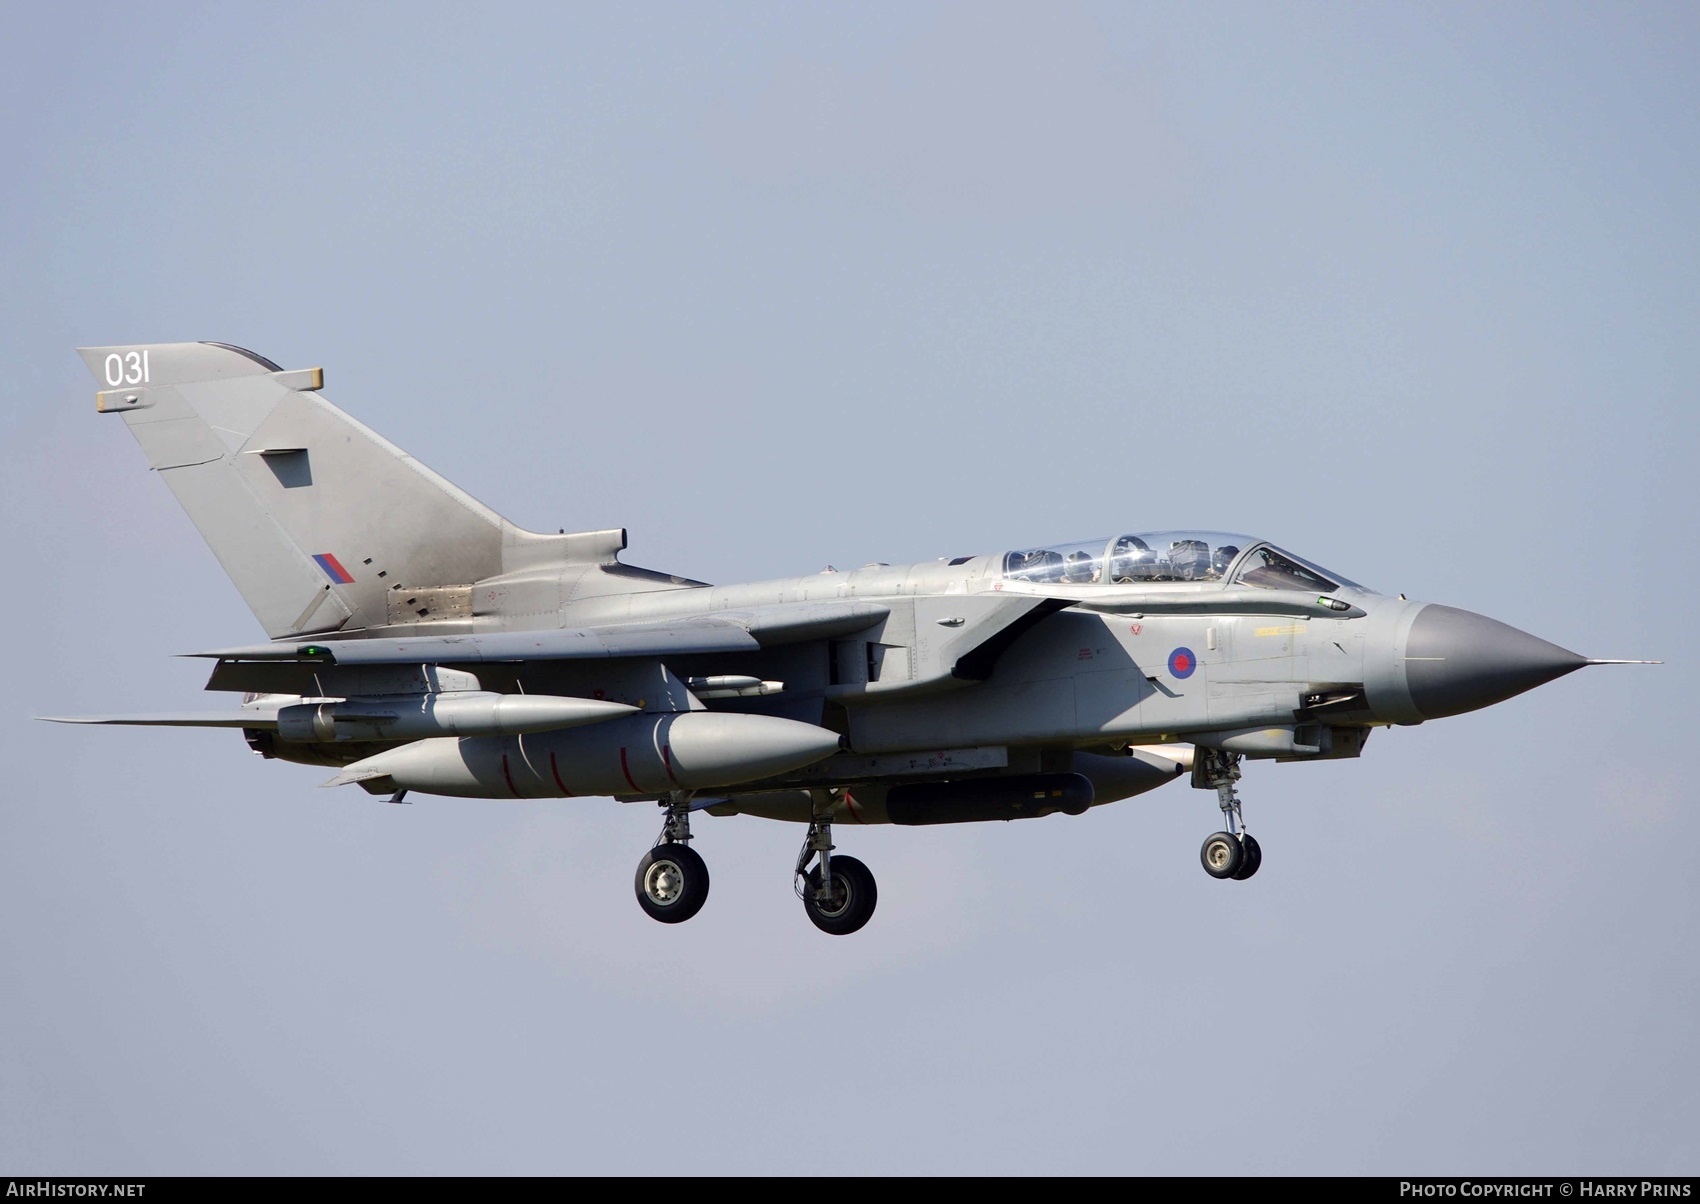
[(672, 881), (1234, 853), (839, 892)]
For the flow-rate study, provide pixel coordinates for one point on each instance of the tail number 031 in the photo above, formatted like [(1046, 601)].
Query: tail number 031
[(130, 368)]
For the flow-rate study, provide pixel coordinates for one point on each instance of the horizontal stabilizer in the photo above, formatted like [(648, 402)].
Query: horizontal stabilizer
[(253, 718), (394, 717)]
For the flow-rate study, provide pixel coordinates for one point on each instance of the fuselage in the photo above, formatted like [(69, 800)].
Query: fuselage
[(420, 641), (1091, 657), (1144, 661)]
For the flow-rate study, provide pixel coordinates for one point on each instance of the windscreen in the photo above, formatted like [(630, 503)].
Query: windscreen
[(1270, 568)]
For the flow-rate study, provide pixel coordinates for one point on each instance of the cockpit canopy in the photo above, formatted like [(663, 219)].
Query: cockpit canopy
[(1159, 556)]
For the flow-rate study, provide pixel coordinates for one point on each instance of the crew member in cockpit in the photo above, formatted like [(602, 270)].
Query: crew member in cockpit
[(1080, 569)]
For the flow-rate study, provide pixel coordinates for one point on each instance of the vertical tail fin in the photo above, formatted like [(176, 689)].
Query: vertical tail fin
[(314, 517)]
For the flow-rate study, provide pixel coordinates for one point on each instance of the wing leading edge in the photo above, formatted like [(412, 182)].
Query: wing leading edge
[(727, 631)]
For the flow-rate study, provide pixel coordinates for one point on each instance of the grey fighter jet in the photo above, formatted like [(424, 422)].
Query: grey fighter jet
[(419, 642)]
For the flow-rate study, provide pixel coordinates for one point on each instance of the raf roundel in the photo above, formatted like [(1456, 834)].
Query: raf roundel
[(1182, 662)]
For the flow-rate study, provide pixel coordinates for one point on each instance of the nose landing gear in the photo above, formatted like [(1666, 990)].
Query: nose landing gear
[(1221, 855), (1234, 853)]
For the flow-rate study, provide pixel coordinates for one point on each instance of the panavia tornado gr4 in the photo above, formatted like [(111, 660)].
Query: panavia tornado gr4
[(419, 642)]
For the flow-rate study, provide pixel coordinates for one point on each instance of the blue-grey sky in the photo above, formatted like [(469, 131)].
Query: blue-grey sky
[(1411, 289)]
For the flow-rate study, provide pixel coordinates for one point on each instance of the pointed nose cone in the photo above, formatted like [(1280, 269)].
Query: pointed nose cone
[(1457, 661)]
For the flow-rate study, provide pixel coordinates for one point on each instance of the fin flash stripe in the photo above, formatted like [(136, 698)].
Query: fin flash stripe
[(333, 568)]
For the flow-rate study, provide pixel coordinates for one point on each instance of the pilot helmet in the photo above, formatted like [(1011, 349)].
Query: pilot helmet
[(1078, 567), (1223, 557)]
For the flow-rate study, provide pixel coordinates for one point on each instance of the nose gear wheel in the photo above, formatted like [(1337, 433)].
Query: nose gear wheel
[(1233, 853), (1251, 859), (1221, 855)]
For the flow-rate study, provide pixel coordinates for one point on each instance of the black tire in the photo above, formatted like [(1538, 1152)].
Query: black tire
[(671, 883), (854, 897), (1251, 858), (1221, 855)]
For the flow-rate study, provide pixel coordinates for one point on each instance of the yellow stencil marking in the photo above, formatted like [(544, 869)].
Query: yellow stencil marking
[(1293, 630)]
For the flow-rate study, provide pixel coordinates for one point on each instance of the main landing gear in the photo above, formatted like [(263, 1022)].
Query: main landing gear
[(838, 893), (1234, 853), (672, 881)]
